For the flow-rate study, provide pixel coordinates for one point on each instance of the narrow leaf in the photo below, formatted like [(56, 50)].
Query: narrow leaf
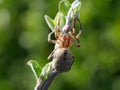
[(50, 22), (64, 7), (35, 68)]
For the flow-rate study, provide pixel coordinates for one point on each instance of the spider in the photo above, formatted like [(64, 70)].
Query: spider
[(64, 39)]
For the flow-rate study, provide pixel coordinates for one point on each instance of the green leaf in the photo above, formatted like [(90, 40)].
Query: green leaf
[(35, 68), (56, 17), (46, 71), (64, 7), (50, 22), (74, 11), (75, 2), (62, 19), (76, 8)]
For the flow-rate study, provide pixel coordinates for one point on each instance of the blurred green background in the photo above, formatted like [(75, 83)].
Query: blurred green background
[(23, 36)]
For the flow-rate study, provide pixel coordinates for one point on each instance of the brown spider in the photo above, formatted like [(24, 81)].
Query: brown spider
[(63, 39)]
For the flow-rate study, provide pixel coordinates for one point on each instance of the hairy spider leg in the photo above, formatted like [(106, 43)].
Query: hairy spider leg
[(79, 34), (58, 32), (80, 31), (51, 41), (49, 38), (58, 27)]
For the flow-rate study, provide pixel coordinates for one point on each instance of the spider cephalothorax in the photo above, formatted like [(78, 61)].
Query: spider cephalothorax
[(64, 40)]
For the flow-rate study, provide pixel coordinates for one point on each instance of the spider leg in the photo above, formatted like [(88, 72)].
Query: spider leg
[(58, 27), (73, 32), (78, 44), (49, 38), (74, 18), (51, 54), (51, 41), (80, 31), (79, 34), (58, 31)]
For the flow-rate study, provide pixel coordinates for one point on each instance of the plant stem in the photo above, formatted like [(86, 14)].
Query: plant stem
[(47, 83)]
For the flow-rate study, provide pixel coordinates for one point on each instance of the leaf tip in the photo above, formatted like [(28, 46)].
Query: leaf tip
[(29, 62)]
